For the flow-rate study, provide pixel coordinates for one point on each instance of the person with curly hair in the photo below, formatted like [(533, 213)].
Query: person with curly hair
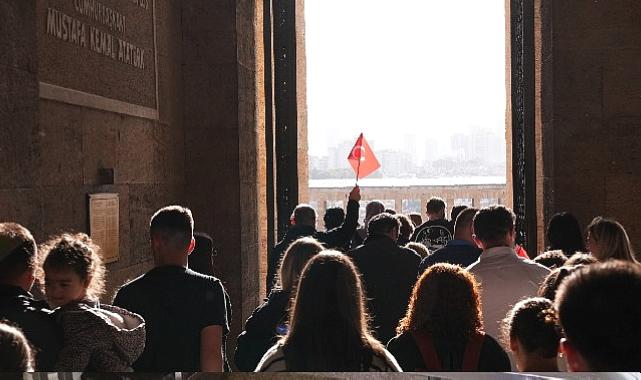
[(96, 337), (443, 329), (531, 330)]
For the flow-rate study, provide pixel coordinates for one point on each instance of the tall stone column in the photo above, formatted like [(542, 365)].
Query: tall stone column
[(224, 140)]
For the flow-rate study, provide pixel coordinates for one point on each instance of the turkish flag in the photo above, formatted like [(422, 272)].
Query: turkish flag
[(362, 158)]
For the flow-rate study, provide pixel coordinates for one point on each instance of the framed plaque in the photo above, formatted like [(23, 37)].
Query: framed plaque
[(104, 224)]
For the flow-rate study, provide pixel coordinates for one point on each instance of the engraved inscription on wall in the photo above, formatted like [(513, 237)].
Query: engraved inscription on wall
[(102, 47)]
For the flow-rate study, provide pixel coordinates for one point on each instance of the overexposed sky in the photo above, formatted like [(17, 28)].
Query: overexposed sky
[(391, 68)]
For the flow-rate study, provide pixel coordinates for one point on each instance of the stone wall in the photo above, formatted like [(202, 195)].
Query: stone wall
[(224, 124), (52, 150), (590, 109), (187, 129)]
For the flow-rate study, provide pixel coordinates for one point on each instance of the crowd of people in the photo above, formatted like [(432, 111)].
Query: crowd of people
[(393, 294)]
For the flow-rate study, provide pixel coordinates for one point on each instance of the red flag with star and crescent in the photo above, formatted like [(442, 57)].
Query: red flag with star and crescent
[(362, 158)]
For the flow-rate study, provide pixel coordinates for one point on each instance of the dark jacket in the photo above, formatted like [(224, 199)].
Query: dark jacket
[(388, 273), (262, 330), (36, 322), (96, 341), (332, 239), (492, 357), (457, 252), (434, 234)]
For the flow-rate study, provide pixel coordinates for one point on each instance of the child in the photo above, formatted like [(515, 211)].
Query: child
[(99, 338), (532, 332)]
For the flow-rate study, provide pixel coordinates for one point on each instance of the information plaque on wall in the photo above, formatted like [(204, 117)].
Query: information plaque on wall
[(103, 224)]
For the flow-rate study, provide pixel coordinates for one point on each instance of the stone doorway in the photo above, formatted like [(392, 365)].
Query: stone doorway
[(286, 120)]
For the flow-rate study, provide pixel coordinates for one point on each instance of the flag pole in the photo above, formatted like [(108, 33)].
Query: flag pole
[(358, 168)]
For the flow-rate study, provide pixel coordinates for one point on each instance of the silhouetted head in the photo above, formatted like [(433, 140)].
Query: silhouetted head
[(416, 218), (435, 208), (445, 302), (303, 215), (18, 256), (372, 209), (551, 259), (494, 227), (334, 217), (554, 279), (172, 233), (419, 248), (294, 260), (531, 330), (73, 269), (201, 258), (407, 227), (607, 240), (563, 232), (384, 225), (16, 353), (463, 226), (580, 258), (599, 311), (456, 210)]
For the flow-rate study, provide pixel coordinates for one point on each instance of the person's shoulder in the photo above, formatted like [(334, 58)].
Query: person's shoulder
[(131, 285), (493, 355), (536, 268), (409, 255), (203, 280), (491, 343), (475, 267), (421, 227), (384, 361), (273, 360)]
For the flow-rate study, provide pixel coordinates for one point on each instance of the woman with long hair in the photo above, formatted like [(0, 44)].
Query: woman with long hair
[(269, 321), (443, 329), (328, 328), (607, 240)]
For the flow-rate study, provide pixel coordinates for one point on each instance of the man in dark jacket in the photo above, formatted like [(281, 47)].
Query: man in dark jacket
[(303, 223), (462, 250), (437, 231), (388, 272), (17, 305)]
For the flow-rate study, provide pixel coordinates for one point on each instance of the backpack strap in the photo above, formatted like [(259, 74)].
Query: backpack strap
[(473, 352), (425, 345)]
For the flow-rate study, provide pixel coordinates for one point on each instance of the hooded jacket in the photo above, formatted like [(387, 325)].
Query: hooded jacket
[(99, 338)]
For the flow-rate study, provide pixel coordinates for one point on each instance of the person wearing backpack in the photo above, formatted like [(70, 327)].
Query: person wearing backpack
[(443, 329)]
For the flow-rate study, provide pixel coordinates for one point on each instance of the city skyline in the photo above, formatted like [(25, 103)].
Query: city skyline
[(472, 153), (420, 74)]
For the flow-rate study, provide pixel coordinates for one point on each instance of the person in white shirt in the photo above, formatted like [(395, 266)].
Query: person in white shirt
[(505, 278)]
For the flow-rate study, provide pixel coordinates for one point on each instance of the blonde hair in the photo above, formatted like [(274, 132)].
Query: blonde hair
[(296, 256), (78, 253), (612, 240)]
